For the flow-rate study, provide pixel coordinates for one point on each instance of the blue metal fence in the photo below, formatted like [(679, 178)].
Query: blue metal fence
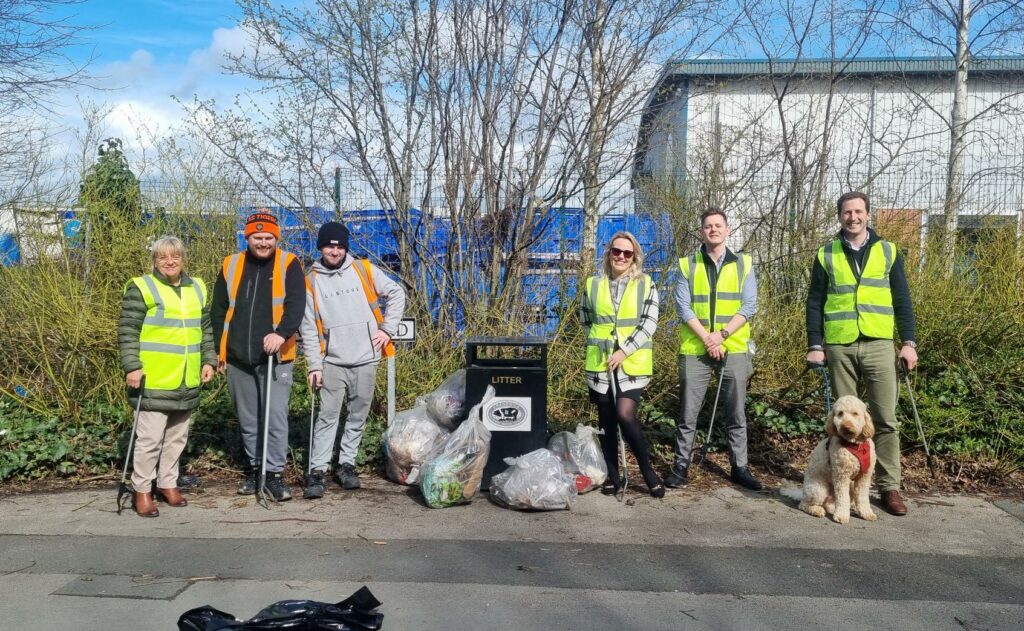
[(548, 288)]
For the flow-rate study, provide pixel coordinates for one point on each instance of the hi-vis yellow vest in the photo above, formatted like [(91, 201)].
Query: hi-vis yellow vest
[(855, 308), (172, 333), (609, 326), (728, 293)]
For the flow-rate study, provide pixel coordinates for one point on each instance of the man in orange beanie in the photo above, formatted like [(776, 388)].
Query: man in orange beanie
[(258, 304)]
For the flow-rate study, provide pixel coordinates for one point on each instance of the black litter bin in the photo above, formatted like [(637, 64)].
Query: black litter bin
[(517, 367)]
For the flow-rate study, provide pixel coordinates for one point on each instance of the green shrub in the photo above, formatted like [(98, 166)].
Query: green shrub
[(60, 314)]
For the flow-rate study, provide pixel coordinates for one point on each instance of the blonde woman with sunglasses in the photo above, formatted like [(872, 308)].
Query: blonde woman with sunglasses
[(620, 312)]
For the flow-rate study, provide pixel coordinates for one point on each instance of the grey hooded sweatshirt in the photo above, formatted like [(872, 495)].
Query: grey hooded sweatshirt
[(348, 321)]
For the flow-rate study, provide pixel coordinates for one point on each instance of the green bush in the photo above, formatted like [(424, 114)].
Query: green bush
[(36, 445), (62, 402)]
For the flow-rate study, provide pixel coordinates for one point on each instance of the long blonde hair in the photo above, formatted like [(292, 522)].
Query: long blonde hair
[(636, 268)]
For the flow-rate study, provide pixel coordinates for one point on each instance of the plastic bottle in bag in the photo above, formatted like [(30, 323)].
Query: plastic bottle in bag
[(580, 453)]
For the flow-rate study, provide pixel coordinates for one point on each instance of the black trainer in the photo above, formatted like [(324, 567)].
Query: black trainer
[(346, 476), (278, 490), (315, 486), (743, 477), (248, 485), (677, 478)]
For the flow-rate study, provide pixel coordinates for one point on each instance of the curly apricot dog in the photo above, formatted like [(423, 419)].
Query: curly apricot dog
[(840, 468)]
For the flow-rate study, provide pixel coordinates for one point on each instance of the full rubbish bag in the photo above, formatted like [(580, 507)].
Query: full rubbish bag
[(454, 475), (447, 404), (355, 613), (580, 453), (411, 439), (534, 481)]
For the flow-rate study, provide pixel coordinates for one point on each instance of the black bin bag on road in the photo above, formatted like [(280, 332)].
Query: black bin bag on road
[(355, 613)]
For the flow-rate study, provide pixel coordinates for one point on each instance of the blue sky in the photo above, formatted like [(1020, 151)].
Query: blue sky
[(169, 30), (147, 52)]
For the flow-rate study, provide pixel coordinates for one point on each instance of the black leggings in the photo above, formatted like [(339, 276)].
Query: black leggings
[(623, 415)]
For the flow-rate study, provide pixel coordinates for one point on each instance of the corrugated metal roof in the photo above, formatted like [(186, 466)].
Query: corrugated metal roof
[(863, 67)]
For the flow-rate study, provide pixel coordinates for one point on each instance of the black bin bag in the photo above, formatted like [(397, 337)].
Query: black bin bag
[(355, 613)]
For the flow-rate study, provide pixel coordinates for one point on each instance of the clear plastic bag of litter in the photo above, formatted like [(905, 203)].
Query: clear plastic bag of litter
[(411, 439), (454, 475), (580, 453), (534, 481), (355, 613), (447, 403)]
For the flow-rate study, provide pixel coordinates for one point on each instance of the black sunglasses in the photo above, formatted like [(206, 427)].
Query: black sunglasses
[(626, 254)]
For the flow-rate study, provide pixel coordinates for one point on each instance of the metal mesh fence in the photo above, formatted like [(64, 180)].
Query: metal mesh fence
[(765, 206)]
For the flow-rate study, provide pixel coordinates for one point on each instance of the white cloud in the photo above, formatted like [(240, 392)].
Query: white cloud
[(225, 40), (139, 67), (139, 93), (142, 89), (210, 61), (129, 116)]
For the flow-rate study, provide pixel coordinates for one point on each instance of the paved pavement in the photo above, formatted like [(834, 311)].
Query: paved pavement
[(718, 559)]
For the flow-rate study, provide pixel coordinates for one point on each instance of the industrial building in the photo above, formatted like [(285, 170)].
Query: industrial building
[(786, 137)]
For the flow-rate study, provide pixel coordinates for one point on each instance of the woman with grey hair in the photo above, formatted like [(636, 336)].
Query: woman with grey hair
[(167, 353), (620, 311)]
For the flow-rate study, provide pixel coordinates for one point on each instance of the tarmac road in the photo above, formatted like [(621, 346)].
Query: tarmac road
[(722, 559)]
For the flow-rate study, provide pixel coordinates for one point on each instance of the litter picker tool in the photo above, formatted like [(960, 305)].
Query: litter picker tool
[(917, 417), (714, 410), (122, 488), (312, 421), (613, 389), (262, 497)]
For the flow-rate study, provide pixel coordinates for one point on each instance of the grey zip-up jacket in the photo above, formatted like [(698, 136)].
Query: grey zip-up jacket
[(348, 321)]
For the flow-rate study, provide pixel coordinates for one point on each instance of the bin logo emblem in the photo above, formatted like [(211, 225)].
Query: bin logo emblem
[(508, 414)]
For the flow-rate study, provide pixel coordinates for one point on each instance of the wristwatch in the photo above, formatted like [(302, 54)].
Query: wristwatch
[(910, 344), (725, 334)]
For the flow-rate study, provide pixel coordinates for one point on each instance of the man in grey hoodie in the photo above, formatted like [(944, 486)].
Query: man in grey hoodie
[(352, 311)]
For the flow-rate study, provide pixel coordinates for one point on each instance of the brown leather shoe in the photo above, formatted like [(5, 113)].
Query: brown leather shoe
[(144, 505), (893, 503), (172, 496)]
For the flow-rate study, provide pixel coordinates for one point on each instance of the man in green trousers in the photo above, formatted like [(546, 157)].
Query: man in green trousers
[(858, 299)]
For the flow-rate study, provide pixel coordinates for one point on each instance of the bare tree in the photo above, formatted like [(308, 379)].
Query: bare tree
[(624, 47), (486, 113), (340, 83), (33, 52), (963, 31), (34, 64), (808, 51)]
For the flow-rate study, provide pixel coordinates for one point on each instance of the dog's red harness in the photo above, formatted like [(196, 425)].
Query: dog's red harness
[(862, 452)]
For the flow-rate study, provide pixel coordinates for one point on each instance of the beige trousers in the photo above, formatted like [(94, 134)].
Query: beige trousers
[(158, 445)]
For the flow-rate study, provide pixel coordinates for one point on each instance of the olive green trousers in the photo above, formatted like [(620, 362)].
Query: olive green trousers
[(867, 368)]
